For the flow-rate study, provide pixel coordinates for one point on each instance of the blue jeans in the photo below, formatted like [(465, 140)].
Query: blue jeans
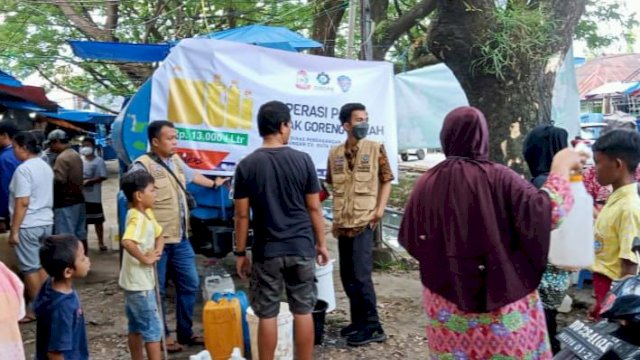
[(178, 262), (142, 313)]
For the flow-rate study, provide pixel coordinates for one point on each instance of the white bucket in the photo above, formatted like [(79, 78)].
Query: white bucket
[(326, 291), (284, 349)]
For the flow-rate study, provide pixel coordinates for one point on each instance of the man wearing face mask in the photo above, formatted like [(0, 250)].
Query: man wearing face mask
[(361, 176), (94, 172)]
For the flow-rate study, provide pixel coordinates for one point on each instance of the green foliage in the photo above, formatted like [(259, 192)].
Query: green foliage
[(591, 29), (521, 37), (33, 34)]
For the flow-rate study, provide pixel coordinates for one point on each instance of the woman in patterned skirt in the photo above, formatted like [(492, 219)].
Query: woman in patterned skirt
[(481, 234)]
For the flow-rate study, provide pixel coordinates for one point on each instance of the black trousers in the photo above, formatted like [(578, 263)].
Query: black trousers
[(552, 329), (356, 266)]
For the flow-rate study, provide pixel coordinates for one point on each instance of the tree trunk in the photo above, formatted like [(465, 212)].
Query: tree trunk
[(521, 99), (326, 21)]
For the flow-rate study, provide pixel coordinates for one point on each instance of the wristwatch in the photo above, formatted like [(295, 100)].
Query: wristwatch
[(240, 253)]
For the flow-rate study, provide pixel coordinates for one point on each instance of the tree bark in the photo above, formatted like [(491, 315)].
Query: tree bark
[(523, 97), (387, 34), (327, 19)]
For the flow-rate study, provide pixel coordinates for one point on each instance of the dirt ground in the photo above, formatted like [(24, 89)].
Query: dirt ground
[(399, 301), (398, 293)]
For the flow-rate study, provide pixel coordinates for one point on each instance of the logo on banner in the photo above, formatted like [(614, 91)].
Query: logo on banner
[(323, 78), (215, 103), (344, 82), (302, 80)]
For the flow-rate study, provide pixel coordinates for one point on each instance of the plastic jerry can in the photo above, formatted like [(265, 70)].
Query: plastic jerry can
[(222, 322), (216, 280), (244, 305), (572, 244)]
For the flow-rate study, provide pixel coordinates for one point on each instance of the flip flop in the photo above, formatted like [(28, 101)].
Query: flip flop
[(195, 340), (27, 319), (174, 348)]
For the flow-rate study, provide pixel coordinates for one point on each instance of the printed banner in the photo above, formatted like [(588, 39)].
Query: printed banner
[(212, 90)]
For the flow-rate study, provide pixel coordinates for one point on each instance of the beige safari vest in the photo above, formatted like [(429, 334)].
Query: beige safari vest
[(167, 207), (355, 192)]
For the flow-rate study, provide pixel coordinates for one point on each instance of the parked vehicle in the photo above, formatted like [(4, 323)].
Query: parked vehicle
[(406, 153), (615, 338)]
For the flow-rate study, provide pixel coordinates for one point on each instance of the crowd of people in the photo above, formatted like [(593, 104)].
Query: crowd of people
[(480, 232), (490, 230), (42, 201)]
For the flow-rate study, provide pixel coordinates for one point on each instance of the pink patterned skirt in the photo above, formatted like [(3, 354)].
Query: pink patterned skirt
[(517, 331)]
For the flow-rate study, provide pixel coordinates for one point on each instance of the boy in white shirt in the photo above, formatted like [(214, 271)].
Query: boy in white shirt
[(143, 243)]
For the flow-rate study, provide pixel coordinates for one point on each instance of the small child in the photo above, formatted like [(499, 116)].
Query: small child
[(617, 154), (143, 244), (60, 329)]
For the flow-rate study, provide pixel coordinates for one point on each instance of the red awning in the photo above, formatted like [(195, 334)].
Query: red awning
[(32, 94)]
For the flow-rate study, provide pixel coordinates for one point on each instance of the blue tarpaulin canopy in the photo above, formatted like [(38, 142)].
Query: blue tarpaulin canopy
[(80, 116), (115, 51), (268, 36), (61, 114), (8, 80), (274, 37)]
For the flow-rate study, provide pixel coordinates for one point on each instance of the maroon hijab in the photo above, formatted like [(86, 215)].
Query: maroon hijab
[(480, 232)]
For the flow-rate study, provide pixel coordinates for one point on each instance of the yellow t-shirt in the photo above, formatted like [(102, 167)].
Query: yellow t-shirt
[(143, 230), (617, 225)]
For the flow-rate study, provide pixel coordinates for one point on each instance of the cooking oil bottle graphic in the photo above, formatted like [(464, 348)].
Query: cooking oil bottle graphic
[(246, 110), (233, 106), (216, 93), (186, 101)]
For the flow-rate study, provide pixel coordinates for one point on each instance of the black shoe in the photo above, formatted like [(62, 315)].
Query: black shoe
[(366, 336), (349, 330)]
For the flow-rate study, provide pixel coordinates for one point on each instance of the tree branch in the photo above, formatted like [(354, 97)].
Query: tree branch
[(150, 27), (326, 24), (84, 24), (400, 26), (112, 16), (83, 97)]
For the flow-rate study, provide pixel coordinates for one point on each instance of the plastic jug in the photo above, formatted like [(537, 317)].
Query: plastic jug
[(284, 349), (236, 355), (241, 296), (216, 280), (202, 355), (572, 244), (222, 322)]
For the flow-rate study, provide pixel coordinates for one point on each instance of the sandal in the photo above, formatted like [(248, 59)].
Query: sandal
[(174, 347), (27, 319), (195, 340)]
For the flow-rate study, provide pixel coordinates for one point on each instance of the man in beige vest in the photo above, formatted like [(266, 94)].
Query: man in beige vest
[(360, 175), (172, 213)]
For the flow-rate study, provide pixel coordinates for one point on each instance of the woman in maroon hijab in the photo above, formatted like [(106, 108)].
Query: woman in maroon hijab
[(481, 234)]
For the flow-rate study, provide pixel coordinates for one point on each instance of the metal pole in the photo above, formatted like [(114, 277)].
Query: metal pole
[(159, 301), (365, 22), (351, 32)]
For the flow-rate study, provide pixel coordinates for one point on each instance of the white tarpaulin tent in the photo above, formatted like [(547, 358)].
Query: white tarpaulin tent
[(425, 96)]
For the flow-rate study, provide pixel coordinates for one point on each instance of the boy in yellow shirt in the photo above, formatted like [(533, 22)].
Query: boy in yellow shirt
[(617, 154), (143, 244)]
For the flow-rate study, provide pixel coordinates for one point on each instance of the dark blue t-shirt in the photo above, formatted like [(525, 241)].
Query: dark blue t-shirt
[(276, 181), (60, 325), (8, 165)]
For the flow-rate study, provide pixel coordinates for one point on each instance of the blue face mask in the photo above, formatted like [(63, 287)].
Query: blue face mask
[(360, 131)]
